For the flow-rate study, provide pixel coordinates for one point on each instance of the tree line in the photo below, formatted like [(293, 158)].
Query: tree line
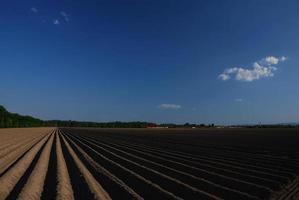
[(10, 120), (14, 120)]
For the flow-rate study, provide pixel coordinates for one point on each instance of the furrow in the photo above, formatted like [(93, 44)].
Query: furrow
[(263, 174), (205, 147), (186, 176), (202, 164), (50, 185), (11, 147), (64, 187), (101, 170), (289, 192), (236, 156), (34, 186), (169, 181), (222, 158), (95, 187), (11, 177), (136, 178), (7, 161)]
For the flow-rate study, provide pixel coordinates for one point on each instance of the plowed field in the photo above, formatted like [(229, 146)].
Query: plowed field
[(81, 163)]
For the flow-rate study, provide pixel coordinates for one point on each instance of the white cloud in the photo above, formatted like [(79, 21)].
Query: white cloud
[(61, 18), (56, 22), (65, 16), (239, 100), (224, 77), (33, 9), (169, 106), (261, 69), (270, 60)]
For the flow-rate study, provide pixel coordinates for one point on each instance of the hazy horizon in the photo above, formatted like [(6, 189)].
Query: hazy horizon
[(221, 62)]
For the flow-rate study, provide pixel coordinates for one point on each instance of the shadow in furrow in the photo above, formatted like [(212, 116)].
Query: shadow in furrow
[(79, 185), (142, 188), (114, 190), (49, 190)]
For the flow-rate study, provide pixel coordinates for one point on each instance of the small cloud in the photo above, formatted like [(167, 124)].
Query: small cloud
[(239, 100), (65, 16), (33, 9), (169, 106), (224, 77), (271, 60), (56, 22), (260, 69)]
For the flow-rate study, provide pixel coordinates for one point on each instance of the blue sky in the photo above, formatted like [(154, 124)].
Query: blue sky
[(223, 62)]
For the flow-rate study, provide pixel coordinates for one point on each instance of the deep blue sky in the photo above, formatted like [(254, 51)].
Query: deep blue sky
[(122, 60)]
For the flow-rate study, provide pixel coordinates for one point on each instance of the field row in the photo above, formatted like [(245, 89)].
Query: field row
[(94, 164), (216, 175)]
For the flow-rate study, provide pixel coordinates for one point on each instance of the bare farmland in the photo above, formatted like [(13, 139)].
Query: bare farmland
[(77, 163)]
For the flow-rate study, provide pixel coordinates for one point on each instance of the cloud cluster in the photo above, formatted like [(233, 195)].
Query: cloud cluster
[(260, 69), (169, 106), (58, 19), (65, 16)]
